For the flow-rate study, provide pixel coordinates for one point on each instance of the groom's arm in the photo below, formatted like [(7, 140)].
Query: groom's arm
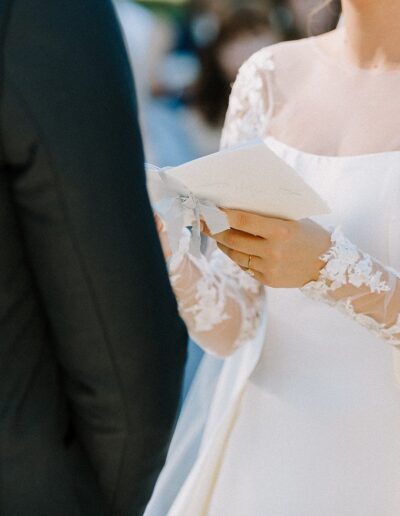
[(73, 146)]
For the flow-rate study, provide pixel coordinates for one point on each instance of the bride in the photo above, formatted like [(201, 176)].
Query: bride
[(302, 418)]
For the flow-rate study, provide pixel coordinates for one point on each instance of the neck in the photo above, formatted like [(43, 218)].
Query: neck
[(372, 35)]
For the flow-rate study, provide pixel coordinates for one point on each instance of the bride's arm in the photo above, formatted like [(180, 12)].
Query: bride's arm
[(361, 286), (220, 304), (327, 267)]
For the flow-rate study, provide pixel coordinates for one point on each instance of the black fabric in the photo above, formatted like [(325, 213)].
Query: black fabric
[(91, 345)]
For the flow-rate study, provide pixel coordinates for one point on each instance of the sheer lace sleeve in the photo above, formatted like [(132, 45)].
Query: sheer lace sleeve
[(219, 302), (251, 103), (362, 287)]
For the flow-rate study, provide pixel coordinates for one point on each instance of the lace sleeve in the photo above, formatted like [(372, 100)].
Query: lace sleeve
[(251, 103), (219, 302), (362, 287)]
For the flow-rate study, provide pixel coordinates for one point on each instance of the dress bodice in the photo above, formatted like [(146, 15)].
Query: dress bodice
[(363, 192), (298, 94), (304, 419), (317, 430), (317, 426)]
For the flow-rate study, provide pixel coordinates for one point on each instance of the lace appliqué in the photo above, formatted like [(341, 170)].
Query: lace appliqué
[(248, 116), (347, 265), (251, 304), (174, 262), (219, 280), (390, 334), (209, 310)]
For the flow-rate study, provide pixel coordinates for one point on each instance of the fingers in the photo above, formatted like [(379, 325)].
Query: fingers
[(255, 274), (244, 261), (239, 241), (265, 227), (160, 224)]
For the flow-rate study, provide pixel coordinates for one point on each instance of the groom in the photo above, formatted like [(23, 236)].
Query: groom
[(91, 345)]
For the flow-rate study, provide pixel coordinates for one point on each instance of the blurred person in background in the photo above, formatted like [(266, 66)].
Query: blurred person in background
[(150, 39), (240, 34), (92, 348), (303, 18), (142, 33), (225, 33)]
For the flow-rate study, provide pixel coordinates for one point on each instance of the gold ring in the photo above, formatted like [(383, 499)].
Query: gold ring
[(249, 271)]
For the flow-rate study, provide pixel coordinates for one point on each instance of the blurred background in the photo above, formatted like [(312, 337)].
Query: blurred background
[(186, 54)]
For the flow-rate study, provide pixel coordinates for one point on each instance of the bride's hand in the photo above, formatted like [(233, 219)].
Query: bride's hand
[(284, 254), (162, 233)]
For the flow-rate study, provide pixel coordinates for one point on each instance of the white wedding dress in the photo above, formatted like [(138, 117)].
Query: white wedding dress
[(303, 419)]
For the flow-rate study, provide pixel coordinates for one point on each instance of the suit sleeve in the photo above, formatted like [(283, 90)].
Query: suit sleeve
[(75, 164)]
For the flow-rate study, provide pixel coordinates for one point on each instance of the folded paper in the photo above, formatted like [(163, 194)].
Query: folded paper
[(250, 178)]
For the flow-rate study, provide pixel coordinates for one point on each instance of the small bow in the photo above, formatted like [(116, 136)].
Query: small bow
[(179, 208)]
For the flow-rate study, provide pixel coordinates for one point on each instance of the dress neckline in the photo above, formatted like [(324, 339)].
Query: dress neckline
[(310, 155)]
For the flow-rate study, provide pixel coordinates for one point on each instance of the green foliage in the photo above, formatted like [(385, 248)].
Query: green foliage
[(170, 8)]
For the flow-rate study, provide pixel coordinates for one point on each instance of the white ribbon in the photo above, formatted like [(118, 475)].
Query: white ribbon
[(179, 208)]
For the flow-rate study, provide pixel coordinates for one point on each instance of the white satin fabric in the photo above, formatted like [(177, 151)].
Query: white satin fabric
[(318, 425), (313, 426)]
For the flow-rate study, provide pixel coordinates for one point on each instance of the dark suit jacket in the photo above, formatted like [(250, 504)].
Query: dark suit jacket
[(91, 345)]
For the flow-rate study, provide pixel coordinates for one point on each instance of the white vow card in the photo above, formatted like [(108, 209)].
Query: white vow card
[(249, 178)]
